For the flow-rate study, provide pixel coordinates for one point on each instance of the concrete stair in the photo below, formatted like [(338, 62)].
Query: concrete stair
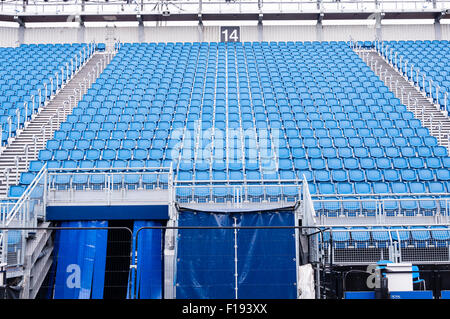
[(437, 122)]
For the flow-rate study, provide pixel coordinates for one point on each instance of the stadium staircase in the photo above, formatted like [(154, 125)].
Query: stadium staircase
[(15, 157), (430, 114)]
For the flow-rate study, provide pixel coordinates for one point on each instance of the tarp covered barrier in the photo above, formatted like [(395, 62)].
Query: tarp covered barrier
[(80, 261), (266, 258), (146, 283), (205, 258)]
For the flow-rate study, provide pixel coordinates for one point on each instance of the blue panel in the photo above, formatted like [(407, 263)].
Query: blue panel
[(98, 281), (425, 294), (149, 265), (445, 294), (205, 266), (80, 267), (266, 258), (136, 212), (359, 295)]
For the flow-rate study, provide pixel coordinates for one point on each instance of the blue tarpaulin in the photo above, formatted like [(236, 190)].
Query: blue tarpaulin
[(80, 261), (265, 267), (146, 282)]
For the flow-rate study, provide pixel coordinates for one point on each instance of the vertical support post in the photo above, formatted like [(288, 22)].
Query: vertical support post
[(35, 145), (16, 162), (437, 28), (235, 260), (10, 127), (26, 112), (18, 119)]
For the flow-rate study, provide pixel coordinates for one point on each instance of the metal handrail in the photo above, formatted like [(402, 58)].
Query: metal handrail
[(22, 200), (410, 77)]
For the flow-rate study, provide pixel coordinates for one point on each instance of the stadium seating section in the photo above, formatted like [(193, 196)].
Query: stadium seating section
[(24, 70), (329, 119)]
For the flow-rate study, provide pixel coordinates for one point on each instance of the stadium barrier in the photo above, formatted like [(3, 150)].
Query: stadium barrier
[(92, 260), (363, 246)]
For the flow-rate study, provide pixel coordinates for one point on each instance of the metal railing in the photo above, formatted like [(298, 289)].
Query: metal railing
[(24, 213), (383, 211), (110, 185), (195, 6), (30, 110), (369, 245), (237, 191), (414, 75), (406, 99)]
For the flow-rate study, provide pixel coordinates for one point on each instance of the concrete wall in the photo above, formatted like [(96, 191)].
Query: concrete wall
[(13, 36)]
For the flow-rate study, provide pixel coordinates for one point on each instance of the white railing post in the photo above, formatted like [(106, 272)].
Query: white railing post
[(401, 91), (65, 106), (81, 89), (57, 82), (26, 155), (431, 88), (76, 64), (8, 172), (46, 93), (423, 84), (35, 145), (40, 100), (437, 95), (18, 119), (406, 69), (431, 123), (445, 101), (51, 87), (417, 77), (43, 132), (16, 162), (10, 127), (62, 76), (26, 113)]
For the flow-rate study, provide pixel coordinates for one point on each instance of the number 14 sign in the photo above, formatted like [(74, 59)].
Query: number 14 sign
[(230, 34)]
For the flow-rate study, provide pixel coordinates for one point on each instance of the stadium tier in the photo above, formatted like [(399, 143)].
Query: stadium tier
[(295, 110), (29, 75), (176, 133)]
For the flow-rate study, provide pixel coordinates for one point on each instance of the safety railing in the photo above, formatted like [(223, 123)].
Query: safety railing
[(109, 184), (419, 244), (24, 213), (382, 209), (414, 75), (238, 192)]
